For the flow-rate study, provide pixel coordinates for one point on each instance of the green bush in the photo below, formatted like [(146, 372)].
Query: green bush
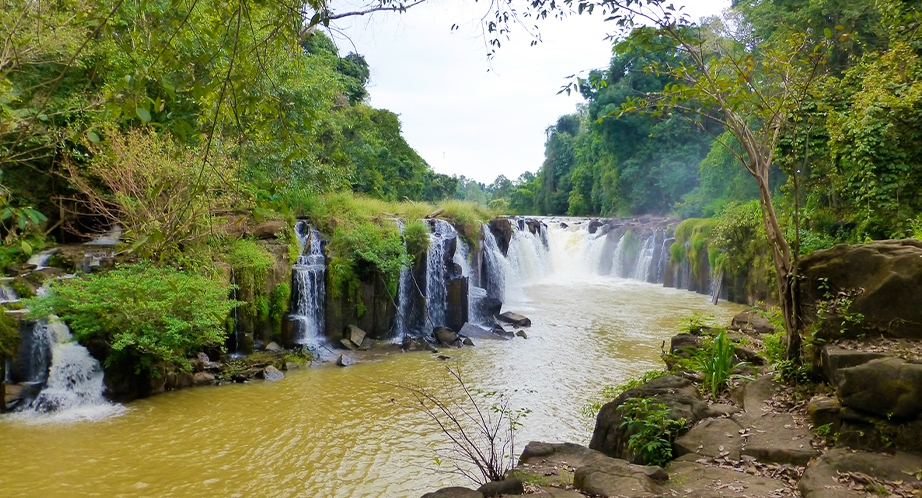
[(146, 315), (9, 336), (609, 393), (281, 295), (652, 430), (416, 236)]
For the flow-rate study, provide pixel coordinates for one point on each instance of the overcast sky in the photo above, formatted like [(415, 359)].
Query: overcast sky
[(464, 114)]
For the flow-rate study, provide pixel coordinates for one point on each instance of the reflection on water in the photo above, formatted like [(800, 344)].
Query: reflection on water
[(328, 431)]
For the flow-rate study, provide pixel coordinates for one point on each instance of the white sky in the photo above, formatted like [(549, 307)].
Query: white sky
[(466, 115)]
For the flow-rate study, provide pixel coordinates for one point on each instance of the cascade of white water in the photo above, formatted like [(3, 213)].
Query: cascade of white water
[(642, 270), (528, 256), (405, 289), (495, 266), (74, 388), (440, 239), (308, 277), (617, 258), (41, 259), (7, 294), (662, 265)]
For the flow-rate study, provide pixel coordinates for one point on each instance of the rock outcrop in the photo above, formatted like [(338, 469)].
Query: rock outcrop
[(879, 280)]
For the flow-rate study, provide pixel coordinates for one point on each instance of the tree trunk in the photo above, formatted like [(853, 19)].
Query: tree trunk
[(781, 257)]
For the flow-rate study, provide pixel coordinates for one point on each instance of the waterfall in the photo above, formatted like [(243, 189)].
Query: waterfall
[(495, 266), (74, 387), (642, 270), (663, 264), (528, 255), (308, 287), (7, 294), (41, 259), (441, 238), (617, 259)]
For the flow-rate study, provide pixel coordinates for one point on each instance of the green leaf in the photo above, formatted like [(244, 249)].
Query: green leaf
[(143, 113), (93, 137), (26, 247)]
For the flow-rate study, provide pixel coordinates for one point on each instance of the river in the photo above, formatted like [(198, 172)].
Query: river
[(327, 431)]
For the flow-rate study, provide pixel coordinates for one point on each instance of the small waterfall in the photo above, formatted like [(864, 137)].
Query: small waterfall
[(617, 259), (41, 259), (495, 266), (441, 238), (7, 294), (74, 387), (663, 264), (644, 260), (528, 256), (308, 287)]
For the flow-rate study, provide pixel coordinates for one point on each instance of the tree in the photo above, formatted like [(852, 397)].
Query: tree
[(753, 96)]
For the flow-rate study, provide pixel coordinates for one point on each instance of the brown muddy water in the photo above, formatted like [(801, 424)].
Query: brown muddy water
[(326, 431)]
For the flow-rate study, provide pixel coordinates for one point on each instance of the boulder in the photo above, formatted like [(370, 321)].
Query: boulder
[(594, 226), (467, 341), (824, 410), (888, 387), (522, 334), (454, 492), (592, 472), (776, 438), (515, 319), (824, 478), (474, 332), (713, 437), (269, 229), (881, 281), (750, 322), (355, 335), (677, 393), (273, 347), (749, 356), (501, 228), (690, 479), (684, 345), (833, 358), (445, 335), (203, 378), (345, 360), (271, 373), (753, 395), (200, 362), (510, 486)]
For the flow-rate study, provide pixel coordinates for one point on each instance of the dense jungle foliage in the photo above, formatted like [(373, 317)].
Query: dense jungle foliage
[(851, 150)]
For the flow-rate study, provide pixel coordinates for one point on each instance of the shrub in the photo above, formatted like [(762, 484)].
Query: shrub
[(157, 190), (9, 335), (716, 363), (652, 430), (416, 236), (609, 393), (146, 315)]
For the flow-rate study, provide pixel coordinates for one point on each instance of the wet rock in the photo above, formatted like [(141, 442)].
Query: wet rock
[(594, 226), (290, 365), (442, 357), (714, 437), (881, 280), (367, 344), (777, 438), (679, 395), (563, 225), (510, 486), (501, 228), (750, 322), (515, 319), (348, 344), (888, 387), (203, 378), (834, 358), (684, 345), (355, 335), (468, 342), (694, 480), (269, 229), (345, 361), (824, 478), (200, 362), (445, 335), (271, 373), (522, 334), (273, 347), (454, 492)]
